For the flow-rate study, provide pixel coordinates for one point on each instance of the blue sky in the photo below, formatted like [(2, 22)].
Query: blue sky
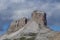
[(15, 9)]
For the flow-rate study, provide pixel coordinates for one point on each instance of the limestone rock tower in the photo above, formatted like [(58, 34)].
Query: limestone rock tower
[(39, 17)]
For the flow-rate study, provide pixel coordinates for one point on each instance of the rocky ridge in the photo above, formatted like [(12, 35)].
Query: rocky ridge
[(30, 29)]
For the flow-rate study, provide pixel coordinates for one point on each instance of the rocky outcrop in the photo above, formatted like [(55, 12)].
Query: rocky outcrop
[(30, 29), (17, 24), (39, 17)]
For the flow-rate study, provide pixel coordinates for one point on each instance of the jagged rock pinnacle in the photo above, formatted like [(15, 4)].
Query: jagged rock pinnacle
[(16, 25), (39, 17)]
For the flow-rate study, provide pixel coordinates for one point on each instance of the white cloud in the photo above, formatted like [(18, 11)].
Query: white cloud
[(21, 13), (57, 6), (17, 1), (3, 4), (47, 7)]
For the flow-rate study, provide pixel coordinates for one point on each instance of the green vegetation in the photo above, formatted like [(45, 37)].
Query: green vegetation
[(30, 34), (23, 38), (7, 39), (31, 38)]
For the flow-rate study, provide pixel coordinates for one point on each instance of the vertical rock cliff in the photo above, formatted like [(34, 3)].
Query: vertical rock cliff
[(39, 17), (30, 29)]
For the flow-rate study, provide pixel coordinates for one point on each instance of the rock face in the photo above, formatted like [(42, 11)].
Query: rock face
[(17, 24), (30, 29), (39, 17), (56, 37)]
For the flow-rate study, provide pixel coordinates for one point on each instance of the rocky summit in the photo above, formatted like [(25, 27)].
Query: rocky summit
[(34, 28)]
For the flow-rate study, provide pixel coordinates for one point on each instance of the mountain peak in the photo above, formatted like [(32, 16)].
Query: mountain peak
[(39, 17), (30, 29)]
